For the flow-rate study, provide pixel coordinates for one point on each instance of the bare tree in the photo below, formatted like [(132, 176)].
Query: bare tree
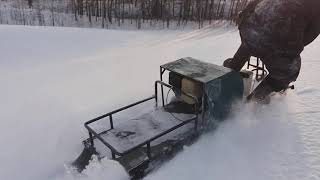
[(52, 12), (30, 2), (107, 12)]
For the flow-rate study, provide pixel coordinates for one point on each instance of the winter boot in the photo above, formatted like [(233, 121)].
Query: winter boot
[(261, 94)]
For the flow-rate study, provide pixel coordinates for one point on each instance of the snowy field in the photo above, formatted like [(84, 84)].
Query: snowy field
[(54, 79)]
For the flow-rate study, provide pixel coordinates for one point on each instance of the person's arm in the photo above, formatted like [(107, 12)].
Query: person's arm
[(311, 32), (312, 29), (239, 59)]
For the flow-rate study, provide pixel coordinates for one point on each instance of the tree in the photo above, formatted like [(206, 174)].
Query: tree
[(30, 3)]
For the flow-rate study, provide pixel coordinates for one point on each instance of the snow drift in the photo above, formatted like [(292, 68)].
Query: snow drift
[(54, 79)]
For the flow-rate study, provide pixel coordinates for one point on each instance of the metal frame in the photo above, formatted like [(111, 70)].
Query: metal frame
[(94, 135), (261, 71), (202, 105)]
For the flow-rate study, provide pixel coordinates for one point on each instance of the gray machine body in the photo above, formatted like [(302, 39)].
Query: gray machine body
[(221, 86)]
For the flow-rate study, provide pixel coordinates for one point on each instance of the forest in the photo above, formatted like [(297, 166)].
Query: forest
[(110, 13)]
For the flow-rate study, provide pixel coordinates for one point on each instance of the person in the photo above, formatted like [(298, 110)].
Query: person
[(276, 31)]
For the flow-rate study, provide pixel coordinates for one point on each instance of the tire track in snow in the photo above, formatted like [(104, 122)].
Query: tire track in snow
[(214, 30)]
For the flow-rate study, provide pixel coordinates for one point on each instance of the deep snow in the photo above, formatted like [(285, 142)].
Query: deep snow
[(54, 79)]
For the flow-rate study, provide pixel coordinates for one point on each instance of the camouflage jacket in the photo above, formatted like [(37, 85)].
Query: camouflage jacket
[(279, 25)]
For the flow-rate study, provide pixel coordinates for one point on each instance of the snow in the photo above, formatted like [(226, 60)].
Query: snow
[(55, 79)]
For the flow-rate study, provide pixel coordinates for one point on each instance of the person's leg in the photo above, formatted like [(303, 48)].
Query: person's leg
[(282, 71)]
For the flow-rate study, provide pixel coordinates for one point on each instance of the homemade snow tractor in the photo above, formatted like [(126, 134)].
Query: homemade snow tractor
[(195, 97)]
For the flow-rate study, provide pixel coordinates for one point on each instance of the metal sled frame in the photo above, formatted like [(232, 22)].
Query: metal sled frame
[(114, 152), (201, 105), (258, 68), (220, 86)]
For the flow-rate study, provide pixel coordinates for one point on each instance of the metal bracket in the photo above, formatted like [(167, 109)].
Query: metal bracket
[(259, 68)]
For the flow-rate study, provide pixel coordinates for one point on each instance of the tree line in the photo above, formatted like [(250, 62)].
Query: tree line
[(105, 13)]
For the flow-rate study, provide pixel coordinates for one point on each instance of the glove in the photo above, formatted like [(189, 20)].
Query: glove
[(228, 63)]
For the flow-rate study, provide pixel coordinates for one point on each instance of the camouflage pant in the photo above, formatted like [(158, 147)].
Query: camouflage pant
[(283, 68)]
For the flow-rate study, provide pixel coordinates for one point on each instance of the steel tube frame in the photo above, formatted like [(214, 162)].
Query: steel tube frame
[(93, 134), (257, 69)]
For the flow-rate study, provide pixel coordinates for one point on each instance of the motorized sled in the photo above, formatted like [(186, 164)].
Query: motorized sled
[(190, 98)]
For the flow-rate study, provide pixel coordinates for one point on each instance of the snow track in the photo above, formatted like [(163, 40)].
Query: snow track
[(54, 79)]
